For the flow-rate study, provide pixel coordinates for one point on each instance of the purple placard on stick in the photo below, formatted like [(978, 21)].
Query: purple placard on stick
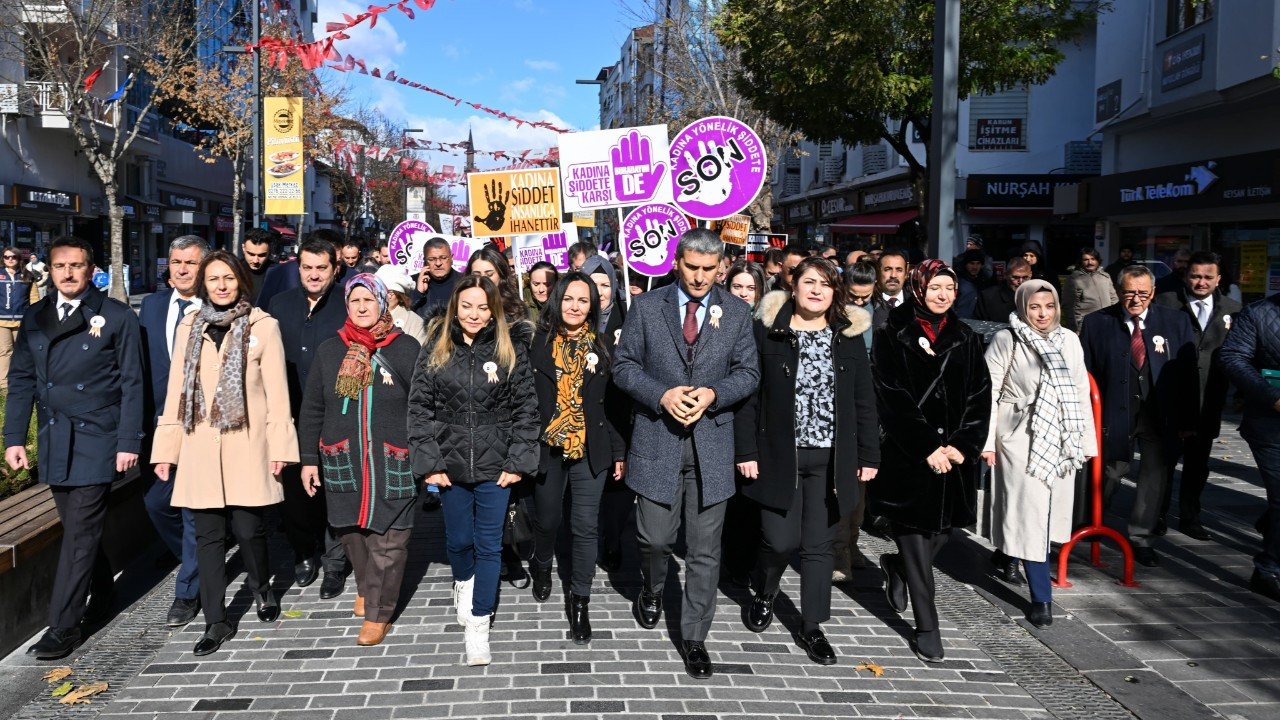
[(533, 249), (406, 242), (717, 167), (649, 237)]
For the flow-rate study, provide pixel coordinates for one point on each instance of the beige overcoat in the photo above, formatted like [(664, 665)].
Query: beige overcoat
[(1025, 513), (217, 469)]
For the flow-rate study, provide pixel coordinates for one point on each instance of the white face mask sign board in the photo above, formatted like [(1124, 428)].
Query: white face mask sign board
[(605, 169)]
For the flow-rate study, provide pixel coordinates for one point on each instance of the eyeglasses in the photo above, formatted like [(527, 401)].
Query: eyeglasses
[(1131, 294), (10, 257)]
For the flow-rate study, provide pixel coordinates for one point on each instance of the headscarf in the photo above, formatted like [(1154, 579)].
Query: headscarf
[(228, 409), (356, 372), (600, 264), (1057, 422), (921, 275)]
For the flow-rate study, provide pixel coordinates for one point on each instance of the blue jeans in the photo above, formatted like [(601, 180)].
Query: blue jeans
[(473, 519), (1263, 436), (1038, 579), (177, 530)]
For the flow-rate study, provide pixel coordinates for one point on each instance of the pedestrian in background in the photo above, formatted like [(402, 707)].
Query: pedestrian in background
[(1088, 289), (542, 277), (436, 280), (356, 408), (227, 426), (19, 290), (1041, 434), (581, 449), (612, 312), (995, 304), (806, 440), (39, 272), (746, 282), (489, 263), (933, 394), (399, 285), (473, 430)]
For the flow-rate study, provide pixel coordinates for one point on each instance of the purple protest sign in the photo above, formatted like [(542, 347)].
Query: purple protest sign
[(717, 165), (649, 237), (614, 168), (533, 249), (406, 242)]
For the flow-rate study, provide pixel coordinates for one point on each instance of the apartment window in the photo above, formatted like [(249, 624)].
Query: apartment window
[(1187, 13)]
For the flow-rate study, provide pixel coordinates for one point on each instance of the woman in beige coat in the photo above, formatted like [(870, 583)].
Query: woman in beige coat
[(1042, 432), (227, 427)]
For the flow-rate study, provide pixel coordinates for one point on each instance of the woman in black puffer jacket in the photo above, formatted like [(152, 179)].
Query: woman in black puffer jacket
[(473, 431)]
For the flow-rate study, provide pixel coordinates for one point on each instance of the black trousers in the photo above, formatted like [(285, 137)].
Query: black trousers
[(741, 537), (211, 555), (918, 551), (810, 527), (306, 524), (1153, 478), (1195, 477), (616, 505), (81, 562), (584, 515)]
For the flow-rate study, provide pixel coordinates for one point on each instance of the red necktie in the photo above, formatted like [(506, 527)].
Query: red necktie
[(691, 321), (1136, 345)]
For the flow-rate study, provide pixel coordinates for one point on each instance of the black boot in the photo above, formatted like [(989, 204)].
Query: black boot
[(1007, 568), (1040, 614), (541, 581), (579, 619)]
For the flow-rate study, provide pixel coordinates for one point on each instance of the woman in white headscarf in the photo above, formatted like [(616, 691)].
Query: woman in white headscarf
[(1042, 432)]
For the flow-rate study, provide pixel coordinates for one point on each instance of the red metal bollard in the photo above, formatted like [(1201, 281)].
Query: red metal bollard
[(1096, 530)]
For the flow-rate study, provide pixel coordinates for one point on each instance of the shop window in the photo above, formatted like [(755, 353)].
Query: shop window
[(1187, 13), (133, 180)]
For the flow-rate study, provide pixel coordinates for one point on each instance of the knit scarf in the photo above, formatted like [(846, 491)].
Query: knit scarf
[(356, 372), (568, 427), (228, 409), (1057, 425)]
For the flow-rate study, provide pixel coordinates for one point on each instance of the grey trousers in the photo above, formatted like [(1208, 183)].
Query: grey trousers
[(1153, 480), (658, 526), (378, 560)]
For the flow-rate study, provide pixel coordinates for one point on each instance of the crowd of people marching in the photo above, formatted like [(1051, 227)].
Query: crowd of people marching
[(767, 411)]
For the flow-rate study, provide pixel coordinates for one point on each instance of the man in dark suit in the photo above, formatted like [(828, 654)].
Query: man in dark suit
[(892, 268), (1211, 314), (78, 361), (284, 277), (159, 318), (1143, 358), (996, 302), (310, 314), (686, 356)]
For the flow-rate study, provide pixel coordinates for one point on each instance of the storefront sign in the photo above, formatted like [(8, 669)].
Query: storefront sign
[(151, 212), (1182, 64), (182, 202), (514, 202), (1254, 266), (605, 169), (1107, 102), (1016, 191), (1225, 182), (799, 213), (838, 206), (283, 163), (999, 134), (45, 200), (889, 197)]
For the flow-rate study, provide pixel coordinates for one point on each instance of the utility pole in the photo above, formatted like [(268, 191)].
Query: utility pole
[(944, 128), (255, 158), (404, 188)]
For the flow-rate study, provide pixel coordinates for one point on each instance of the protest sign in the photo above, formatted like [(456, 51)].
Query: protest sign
[(718, 167), (407, 242), (514, 202), (733, 230), (532, 249), (611, 168), (584, 218), (461, 248), (649, 237)]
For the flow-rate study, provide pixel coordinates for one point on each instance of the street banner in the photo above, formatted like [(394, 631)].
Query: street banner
[(407, 244), (605, 169), (283, 164), (718, 167), (649, 237), (514, 202), (584, 218), (533, 249), (733, 229), (415, 203)]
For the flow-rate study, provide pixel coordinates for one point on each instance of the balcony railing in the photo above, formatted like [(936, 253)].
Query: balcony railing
[(51, 103)]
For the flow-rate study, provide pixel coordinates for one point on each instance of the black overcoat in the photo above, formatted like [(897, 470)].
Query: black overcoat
[(765, 430), (1213, 379), (601, 403), (956, 412)]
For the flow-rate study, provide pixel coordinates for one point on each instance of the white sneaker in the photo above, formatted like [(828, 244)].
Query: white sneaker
[(477, 638), (463, 592)]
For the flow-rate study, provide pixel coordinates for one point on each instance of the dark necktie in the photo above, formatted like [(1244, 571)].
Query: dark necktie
[(691, 324), (66, 310), (182, 312), (1137, 346), (893, 302)]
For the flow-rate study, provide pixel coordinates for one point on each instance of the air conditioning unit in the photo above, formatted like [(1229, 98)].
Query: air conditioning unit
[(875, 159), (833, 168)]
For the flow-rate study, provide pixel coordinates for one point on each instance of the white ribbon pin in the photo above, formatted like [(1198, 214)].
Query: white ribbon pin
[(716, 313), (617, 335), (96, 324), (592, 359), (491, 370), (1226, 320), (1158, 342), (386, 376), (924, 345), (253, 341)]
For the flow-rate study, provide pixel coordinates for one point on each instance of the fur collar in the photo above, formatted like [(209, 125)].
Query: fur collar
[(771, 306)]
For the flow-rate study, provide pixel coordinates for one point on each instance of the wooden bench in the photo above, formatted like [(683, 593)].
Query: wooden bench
[(28, 523)]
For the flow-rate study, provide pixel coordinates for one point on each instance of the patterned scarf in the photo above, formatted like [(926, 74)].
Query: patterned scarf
[(1057, 425), (568, 427), (356, 372), (228, 410)]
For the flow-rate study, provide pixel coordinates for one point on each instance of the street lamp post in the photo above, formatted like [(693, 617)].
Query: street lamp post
[(404, 188), (256, 112), (944, 128)]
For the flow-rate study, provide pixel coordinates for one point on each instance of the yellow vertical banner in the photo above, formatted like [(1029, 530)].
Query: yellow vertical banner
[(283, 186)]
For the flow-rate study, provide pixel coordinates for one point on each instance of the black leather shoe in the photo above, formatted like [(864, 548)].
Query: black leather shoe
[(98, 610), (541, 581), (696, 660), (182, 612), (648, 610), (1161, 528), (1146, 556), (895, 582), (611, 560), (579, 619), (1265, 584), (56, 643), (760, 612), (305, 572), (815, 644), (1194, 530), (213, 637), (332, 585), (928, 646), (1040, 614), (267, 605), (1007, 569)]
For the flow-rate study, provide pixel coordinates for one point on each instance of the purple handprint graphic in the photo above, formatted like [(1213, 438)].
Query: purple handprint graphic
[(635, 177), (460, 250)]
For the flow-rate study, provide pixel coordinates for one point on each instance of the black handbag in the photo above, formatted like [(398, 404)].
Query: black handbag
[(517, 530)]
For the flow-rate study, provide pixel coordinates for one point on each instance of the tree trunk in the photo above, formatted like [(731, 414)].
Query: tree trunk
[(116, 214), (237, 204)]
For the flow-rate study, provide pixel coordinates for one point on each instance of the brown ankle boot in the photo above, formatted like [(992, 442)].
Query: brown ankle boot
[(372, 633), (358, 611)]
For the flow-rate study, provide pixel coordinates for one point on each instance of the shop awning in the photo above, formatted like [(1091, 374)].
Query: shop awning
[(284, 230), (885, 222)]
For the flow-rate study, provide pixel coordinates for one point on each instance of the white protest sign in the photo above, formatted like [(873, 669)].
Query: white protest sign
[(615, 168), (533, 249)]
